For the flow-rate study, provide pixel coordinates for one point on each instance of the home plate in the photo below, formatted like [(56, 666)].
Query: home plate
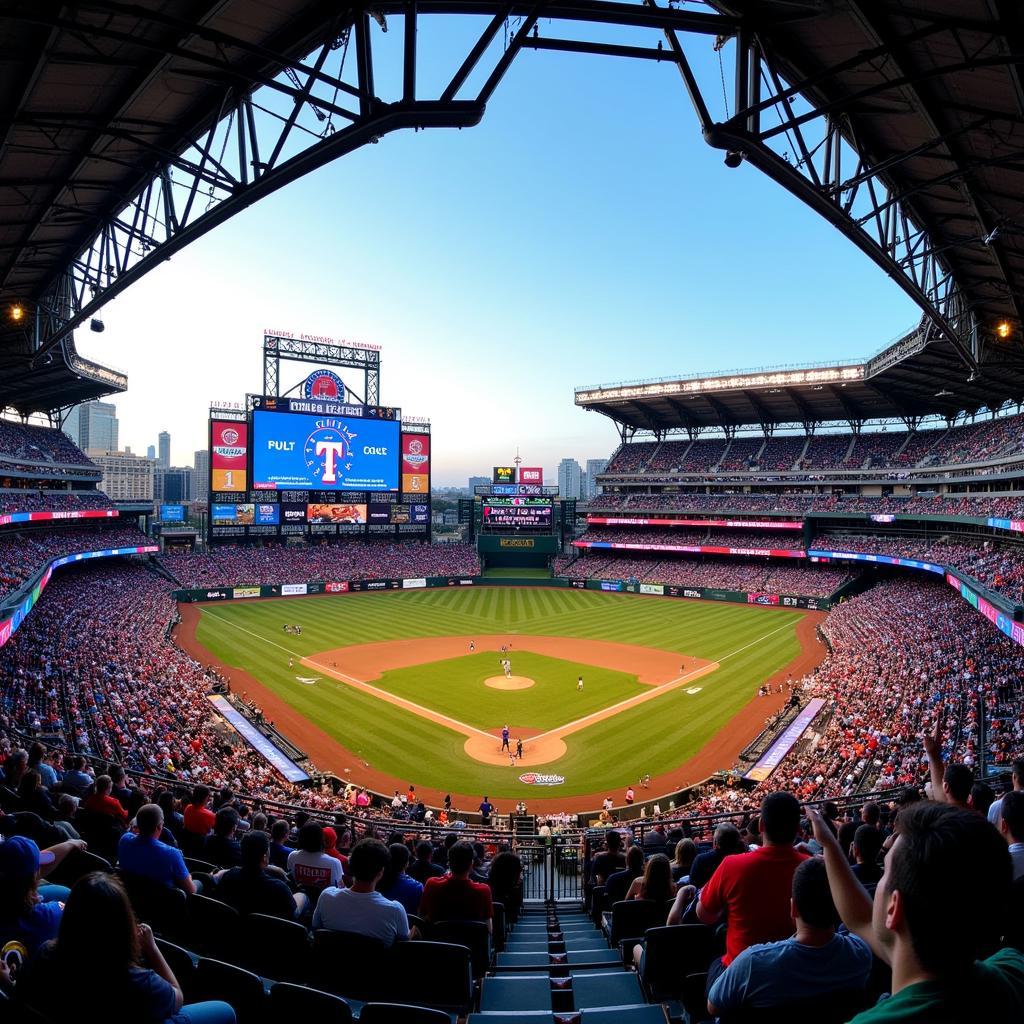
[(695, 689)]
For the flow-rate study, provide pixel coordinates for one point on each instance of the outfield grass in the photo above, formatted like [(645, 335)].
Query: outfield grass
[(750, 644)]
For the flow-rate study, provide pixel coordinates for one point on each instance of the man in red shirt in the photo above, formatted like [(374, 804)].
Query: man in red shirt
[(199, 818), (752, 890), (103, 803), (455, 897)]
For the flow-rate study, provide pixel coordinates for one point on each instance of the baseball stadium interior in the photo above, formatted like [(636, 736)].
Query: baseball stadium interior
[(174, 845)]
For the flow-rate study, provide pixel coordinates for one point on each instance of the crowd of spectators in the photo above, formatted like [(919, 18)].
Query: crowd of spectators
[(25, 553), (1000, 568), (904, 656), (25, 443), (727, 538), (732, 574), (27, 500), (947, 505), (897, 449), (231, 564)]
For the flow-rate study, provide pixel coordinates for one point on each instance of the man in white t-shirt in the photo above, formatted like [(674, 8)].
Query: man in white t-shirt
[(995, 810), (361, 908), (309, 865)]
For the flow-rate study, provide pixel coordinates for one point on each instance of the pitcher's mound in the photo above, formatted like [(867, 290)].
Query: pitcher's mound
[(509, 682)]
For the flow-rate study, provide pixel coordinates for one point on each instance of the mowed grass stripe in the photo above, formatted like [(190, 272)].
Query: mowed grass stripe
[(607, 755)]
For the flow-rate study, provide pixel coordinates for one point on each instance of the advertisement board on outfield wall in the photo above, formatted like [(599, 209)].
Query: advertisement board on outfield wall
[(240, 593), (292, 589), (617, 586)]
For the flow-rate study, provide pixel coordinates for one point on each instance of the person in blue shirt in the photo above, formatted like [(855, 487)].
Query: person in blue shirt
[(396, 884), (26, 920), (76, 779), (279, 849), (142, 854), (814, 962)]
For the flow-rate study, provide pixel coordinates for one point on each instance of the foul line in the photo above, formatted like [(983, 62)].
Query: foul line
[(391, 698), (467, 730), (642, 698)]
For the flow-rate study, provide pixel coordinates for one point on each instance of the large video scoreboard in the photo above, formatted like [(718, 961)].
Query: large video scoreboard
[(295, 466), (516, 513)]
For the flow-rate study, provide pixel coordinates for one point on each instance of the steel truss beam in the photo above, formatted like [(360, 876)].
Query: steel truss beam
[(300, 350), (270, 130)]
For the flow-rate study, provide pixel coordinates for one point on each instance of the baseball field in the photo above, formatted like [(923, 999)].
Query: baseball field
[(384, 688)]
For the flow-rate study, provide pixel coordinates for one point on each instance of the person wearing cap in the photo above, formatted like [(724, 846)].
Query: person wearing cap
[(24, 917)]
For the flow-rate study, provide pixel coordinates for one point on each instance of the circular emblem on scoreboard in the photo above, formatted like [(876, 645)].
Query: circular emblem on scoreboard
[(415, 446), (324, 384), (327, 451), (229, 436)]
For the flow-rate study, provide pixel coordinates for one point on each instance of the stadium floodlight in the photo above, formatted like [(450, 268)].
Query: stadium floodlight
[(1003, 329), (97, 325), (17, 312), (733, 158)]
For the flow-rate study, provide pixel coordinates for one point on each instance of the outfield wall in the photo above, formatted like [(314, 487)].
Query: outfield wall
[(432, 582)]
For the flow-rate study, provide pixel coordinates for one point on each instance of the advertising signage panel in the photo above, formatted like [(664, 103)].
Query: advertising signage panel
[(504, 475), (324, 453), (229, 449)]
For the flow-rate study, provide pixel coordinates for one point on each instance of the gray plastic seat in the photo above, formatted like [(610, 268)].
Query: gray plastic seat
[(516, 992), (593, 989)]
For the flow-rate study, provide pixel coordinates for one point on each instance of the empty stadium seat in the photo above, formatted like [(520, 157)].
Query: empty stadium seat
[(275, 948), (474, 935), (516, 992), (438, 970), (214, 928), (290, 1002), (242, 989), (364, 976), (670, 953), (591, 989)]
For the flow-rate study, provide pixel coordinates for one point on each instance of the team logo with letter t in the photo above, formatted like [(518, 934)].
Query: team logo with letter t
[(328, 450)]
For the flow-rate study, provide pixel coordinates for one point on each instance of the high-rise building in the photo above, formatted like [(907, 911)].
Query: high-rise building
[(201, 475), (151, 452), (570, 479), (477, 481), (126, 477), (173, 484), (595, 467), (163, 460), (93, 425)]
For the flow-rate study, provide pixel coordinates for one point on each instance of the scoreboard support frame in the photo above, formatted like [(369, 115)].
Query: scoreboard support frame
[(296, 350)]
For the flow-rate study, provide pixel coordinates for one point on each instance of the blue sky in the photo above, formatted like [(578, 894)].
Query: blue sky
[(583, 233)]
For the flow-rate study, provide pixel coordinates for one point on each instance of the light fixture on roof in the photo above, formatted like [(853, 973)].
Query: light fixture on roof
[(1003, 329), (733, 158), (17, 312), (944, 393)]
